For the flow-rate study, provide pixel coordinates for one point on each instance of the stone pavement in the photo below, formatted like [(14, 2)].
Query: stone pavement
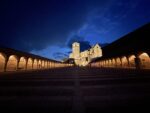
[(75, 90)]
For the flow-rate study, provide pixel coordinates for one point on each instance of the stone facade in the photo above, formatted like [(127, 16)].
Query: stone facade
[(85, 57), (13, 60)]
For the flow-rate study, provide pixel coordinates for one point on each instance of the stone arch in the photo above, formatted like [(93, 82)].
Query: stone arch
[(35, 64), (48, 64), (12, 63), (43, 64), (2, 62), (51, 64), (113, 62), (29, 64), (118, 62), (145, 60), (100, 63), (107, 63), (132, 61), (110, 63), (125, 62), (104, 63), (54, 64), (58, 64), (39, 64), (22, 63)]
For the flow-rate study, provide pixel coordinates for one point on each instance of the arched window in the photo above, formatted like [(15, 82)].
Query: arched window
[(22, 63), (118, 62), (113, 62), (124, 62), (132, 61), (107, 63), (35, 64), (29, 64), (43, 64), (39, 64), (12, 63), (110, 63), (145, 60)]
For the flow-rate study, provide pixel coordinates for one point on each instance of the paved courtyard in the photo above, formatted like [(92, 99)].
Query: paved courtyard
[(75, 90)]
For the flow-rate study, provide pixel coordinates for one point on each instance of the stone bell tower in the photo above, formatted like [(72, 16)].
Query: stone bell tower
[(76, 50)]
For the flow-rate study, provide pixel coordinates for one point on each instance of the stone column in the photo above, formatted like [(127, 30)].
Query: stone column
[(5, 66), (26, 64), (17, 64), (138, 63), (32, 64)]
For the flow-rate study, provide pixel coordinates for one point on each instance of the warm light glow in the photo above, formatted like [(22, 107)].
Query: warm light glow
[(2, 62), (144, 55), (132, 61), (107, 63), (39, 64), (110, 63), (124, 62), (145, 60), (29, 63), (43, 64), (113, 62), (12, 63), (46, 64), (35, 64), (22, 63), (118, 62), (85, 57)]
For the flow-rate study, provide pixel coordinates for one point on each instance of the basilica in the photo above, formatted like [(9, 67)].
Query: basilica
[(85, 57)]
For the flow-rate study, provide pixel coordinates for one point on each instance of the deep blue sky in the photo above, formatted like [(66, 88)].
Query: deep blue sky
[(48, 27)]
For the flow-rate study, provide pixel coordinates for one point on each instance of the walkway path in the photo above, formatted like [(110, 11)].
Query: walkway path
[(75, 90)]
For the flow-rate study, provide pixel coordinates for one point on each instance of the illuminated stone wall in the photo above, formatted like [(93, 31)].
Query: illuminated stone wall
[(96, 51), (2, 62), (12, 63), (85, 57), (22, 63), (76, 50), (12, 60), (137, 61)]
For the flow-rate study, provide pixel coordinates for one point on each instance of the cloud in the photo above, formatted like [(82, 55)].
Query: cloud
[(53, 52), (34, 25), (45, 27), (107, 23), (29, 25), (60, 56)]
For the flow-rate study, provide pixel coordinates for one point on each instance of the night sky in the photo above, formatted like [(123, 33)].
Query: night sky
[(48, 27)]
